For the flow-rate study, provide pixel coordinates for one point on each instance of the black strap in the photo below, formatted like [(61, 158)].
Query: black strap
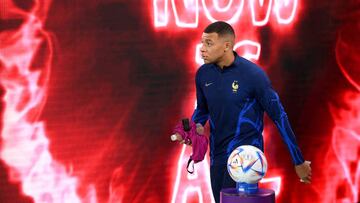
[(188, 164)]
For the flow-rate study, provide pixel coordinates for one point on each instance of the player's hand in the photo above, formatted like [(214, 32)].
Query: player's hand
[(200, 129), (182, 141), (304, 172)]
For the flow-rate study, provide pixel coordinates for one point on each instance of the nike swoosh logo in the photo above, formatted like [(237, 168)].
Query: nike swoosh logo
[(208, 84)]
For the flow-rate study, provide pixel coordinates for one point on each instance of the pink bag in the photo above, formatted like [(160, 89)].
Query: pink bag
[(198, 142)]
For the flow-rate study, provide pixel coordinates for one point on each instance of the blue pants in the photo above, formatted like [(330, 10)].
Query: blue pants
[(220, 178)]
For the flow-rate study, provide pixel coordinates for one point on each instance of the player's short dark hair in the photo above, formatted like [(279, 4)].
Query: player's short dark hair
[(221, 28)]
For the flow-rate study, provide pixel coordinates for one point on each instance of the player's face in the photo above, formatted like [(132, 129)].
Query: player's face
[(213, 47)]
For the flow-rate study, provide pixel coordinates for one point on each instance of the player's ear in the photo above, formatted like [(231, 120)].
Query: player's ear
[(227, 46)]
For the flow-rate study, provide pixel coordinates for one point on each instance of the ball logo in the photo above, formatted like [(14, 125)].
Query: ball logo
[(236, 161)]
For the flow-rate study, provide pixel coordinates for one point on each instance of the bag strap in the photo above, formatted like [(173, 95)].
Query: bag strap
[(192, 164)]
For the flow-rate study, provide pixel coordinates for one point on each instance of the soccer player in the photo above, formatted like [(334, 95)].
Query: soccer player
[(233, 93)]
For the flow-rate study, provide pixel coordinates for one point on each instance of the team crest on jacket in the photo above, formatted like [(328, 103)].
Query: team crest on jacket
[(235, 86)]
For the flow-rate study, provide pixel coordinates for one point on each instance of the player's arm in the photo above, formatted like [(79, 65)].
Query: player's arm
[(201, 112), (270, 102)]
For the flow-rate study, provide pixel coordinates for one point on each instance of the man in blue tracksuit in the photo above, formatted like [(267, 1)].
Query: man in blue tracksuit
[(233, 93)]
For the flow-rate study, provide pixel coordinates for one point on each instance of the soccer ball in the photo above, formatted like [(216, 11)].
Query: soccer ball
[(247, 164)]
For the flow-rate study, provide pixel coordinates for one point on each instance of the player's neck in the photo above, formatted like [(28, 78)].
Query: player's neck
[(227, 60)]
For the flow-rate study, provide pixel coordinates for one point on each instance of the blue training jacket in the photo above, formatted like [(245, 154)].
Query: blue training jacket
[(234, 99)]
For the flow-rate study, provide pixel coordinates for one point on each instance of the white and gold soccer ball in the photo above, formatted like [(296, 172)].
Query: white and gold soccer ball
[(247, 164)]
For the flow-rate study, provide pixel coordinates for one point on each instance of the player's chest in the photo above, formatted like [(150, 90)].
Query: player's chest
[(226, 88)]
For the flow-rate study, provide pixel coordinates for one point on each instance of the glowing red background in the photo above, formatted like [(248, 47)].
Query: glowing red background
[(118, 85)]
